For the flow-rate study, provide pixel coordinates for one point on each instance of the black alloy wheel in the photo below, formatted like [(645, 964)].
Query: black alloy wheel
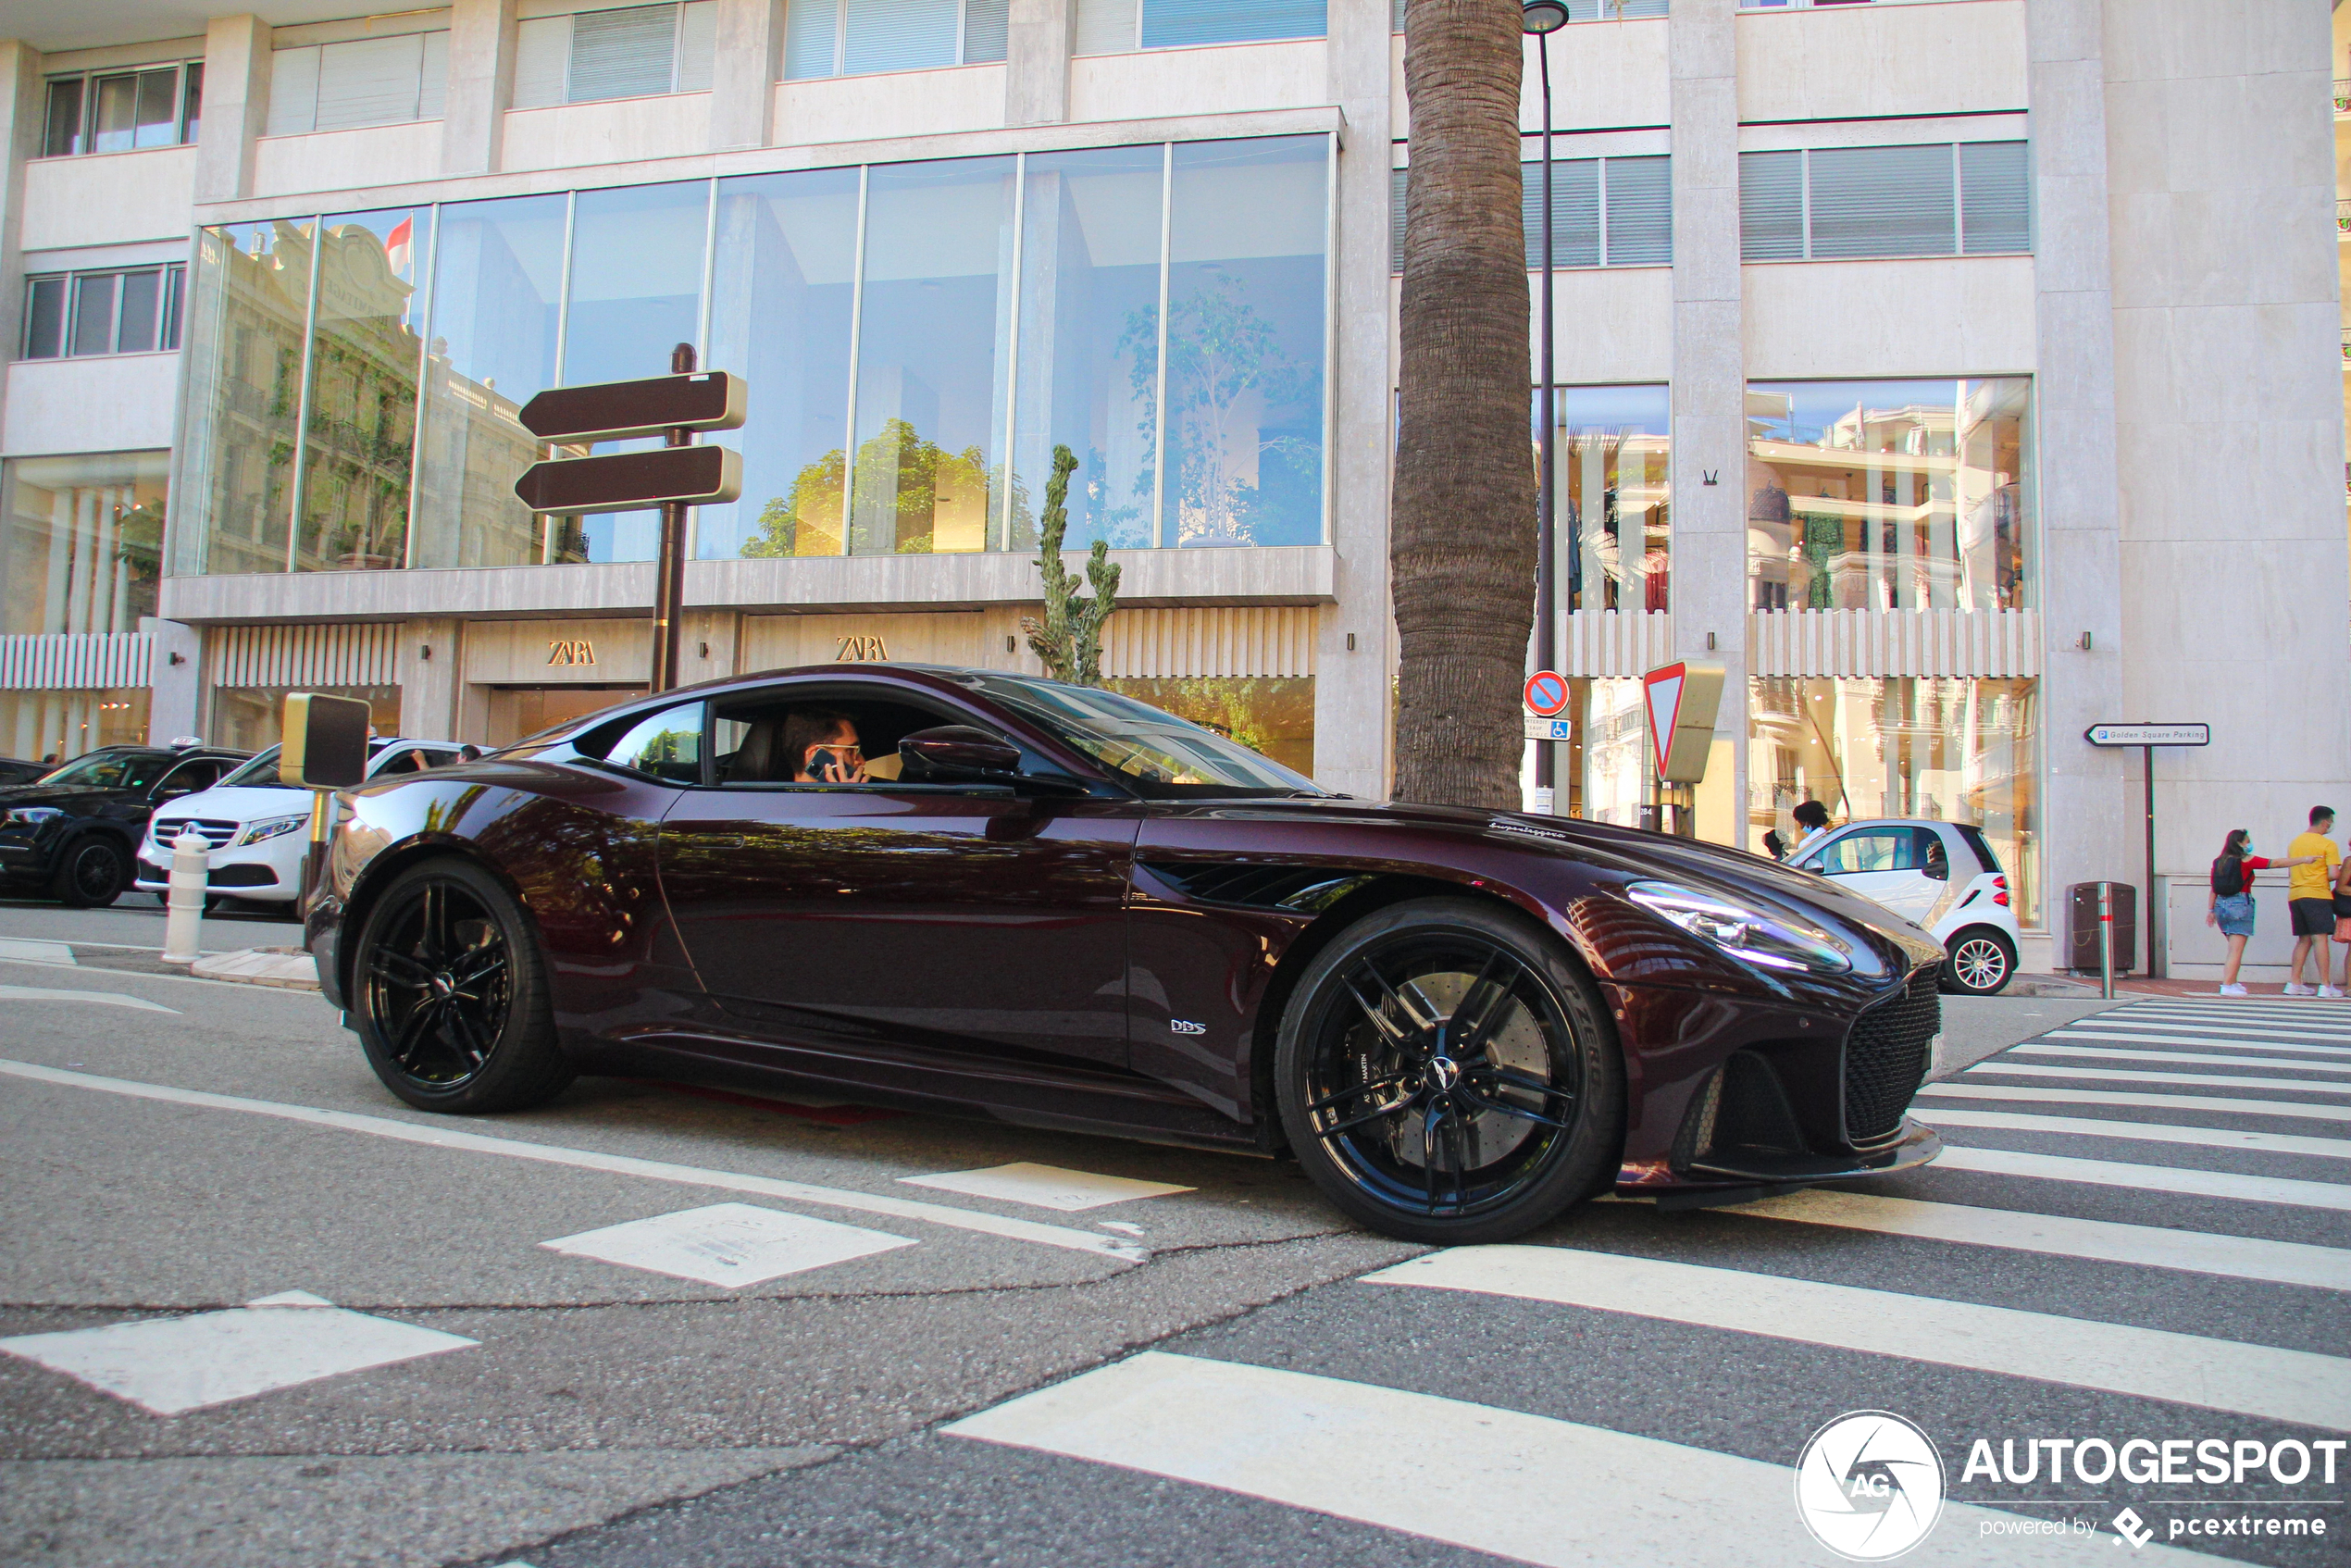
[(1445, 1075), (92, 875), (1978, 961), (450, 996)]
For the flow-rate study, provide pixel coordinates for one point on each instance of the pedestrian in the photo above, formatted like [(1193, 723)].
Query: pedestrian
[(2342, 920), (2309, 893), (1813, 817), (2230, 903)]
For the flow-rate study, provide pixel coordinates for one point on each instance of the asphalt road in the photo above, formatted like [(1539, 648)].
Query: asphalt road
[(816, 1354)]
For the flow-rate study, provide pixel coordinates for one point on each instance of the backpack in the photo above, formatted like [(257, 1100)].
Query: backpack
[(2228, 876)]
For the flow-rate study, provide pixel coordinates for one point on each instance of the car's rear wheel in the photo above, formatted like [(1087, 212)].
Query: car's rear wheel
[(449, 994), (92, 875), (1445, 1075), (1978, 961)]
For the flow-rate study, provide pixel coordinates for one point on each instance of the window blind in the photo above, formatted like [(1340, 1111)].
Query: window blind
[(1178, 24), (1106, 27), (293, 93), (542, 58), (986, 23), (1882, 201), (697, 45), (812, 38), (625, 54), (1396, 220), (1640, 210), (1575, 212), (1772, 207), (899, 35), (433, 92), (1995, 198), (369, 81)]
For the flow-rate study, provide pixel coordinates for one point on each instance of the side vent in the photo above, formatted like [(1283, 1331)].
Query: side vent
[(1296, 889), (1744, 1110)]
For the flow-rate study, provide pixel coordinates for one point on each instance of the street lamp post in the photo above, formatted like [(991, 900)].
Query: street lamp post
[(1543, 18)]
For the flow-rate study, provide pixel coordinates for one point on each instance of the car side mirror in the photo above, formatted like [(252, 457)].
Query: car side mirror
[(957, 751)]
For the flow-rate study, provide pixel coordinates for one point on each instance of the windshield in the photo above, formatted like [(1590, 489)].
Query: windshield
[(1154, 751), (113, 770), (263, 769)]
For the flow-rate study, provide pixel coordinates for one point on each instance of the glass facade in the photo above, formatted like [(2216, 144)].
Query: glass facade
[(1943, 748), (1613, 510), (81, 541), (948, 323), (59, 725), (252, 718), (1890, 496)]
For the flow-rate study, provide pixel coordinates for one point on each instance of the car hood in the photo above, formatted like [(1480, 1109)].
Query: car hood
[(68, 797), (243, 802)]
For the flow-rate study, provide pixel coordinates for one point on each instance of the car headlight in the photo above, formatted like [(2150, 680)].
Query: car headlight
[(271, 827), (35, 815), (1774, 941)]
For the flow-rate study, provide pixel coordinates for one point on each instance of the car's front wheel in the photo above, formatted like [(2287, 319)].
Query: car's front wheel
[(92, 875), (449, 994), (1445, 1074), (1978, 961)]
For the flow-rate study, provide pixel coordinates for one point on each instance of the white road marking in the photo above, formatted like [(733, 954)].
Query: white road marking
[(2138, 1036), (2153, 1364), (2324, 1022), (728, 1244), (588, 1159), (2215, 1105), (2143, 1132), (33, 951), (2139, 1075), (173, 1364), (1046, 1186), (2192, 1058), (2235, 1257), (1491, 1479), (103, 999), (2148, 1179)]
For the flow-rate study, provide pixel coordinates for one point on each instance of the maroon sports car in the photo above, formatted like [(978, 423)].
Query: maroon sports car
[(969, 891)]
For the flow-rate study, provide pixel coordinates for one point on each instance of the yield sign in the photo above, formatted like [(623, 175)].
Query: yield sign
[(1661, 689), (1683, 700)]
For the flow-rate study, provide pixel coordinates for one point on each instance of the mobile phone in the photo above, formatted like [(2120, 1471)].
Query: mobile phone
[(822, 761)]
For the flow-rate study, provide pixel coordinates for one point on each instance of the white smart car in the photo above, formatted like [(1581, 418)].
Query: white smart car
[(1941, 875), (255, 824)]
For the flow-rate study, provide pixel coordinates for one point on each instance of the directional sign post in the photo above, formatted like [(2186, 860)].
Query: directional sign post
[(672, 478), (2148, 737)]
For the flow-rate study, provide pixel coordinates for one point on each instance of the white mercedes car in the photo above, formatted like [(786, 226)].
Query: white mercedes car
[(1941, 875), (255, 826)]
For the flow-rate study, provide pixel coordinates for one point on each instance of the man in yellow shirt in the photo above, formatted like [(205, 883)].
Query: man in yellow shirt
[(2309, 892)]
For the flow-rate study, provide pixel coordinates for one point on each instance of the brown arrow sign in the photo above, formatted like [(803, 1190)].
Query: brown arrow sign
[(631, 481), (712, 400)]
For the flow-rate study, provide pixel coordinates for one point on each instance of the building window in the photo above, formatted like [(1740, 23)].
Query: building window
[(1969, 198), (637, 51), (134, 310), (240, 431), (857, 37), (251, 718), (1611, 511), (82, 543), (1946, 749), (1890, 496), (1605, 212), (359, 407), (122, 111), (1577, 11), (58, 726), (364, 81), (1113, 27)]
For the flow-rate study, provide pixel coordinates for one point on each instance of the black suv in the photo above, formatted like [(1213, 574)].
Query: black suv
[(72, 834)]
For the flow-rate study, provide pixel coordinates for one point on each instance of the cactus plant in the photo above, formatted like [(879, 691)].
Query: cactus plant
[(1069, 638)]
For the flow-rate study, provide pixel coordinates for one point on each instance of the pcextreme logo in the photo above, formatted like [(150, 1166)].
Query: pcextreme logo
[(1869, 1486)]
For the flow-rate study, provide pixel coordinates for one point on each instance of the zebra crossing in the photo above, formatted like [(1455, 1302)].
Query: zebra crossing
[(2106, 1253)]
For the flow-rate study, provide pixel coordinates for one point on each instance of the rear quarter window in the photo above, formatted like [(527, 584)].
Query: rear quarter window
[(1976, 841)]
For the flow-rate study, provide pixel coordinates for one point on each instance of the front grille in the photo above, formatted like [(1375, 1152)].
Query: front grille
[(1886, 1056), (215, 834), (243, 877)]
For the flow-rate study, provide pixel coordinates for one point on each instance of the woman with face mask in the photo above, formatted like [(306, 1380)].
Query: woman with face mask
[(2229, 905)]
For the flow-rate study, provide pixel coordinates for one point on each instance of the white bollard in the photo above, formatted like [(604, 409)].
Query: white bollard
[(183, 928)]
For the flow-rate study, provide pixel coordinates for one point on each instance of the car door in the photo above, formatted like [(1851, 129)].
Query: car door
[(1883, 862), (889, 916)]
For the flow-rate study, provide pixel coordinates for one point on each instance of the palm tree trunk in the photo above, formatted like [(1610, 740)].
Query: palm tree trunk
[(1462, 535)]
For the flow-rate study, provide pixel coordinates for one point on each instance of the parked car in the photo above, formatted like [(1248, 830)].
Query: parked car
[(1940, 875), (1065, 908), (16, 770), (72, 835), (253, 826)]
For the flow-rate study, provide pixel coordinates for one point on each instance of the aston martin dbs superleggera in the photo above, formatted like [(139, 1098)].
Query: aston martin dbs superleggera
[(968, 891)]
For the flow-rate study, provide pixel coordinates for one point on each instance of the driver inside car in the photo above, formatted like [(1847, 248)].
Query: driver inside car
[(823, 748)]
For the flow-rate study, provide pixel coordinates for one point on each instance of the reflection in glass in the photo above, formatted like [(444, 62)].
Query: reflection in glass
[(933, 330), (1612, 511), (364, 359), (497, 286), (1244, 313), (1089, 340), (252, 717), (780, 311), (80, 542), (1889, 495), (244, 338), (1946, 749), (1271, 716), (60, 725)]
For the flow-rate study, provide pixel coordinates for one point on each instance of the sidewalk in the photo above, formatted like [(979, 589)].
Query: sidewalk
[(2140, 985)]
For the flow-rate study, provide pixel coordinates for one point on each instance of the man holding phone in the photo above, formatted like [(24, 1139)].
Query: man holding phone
[(824, 748)]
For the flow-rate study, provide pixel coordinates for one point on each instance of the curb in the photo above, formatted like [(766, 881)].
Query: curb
[(287, 968)]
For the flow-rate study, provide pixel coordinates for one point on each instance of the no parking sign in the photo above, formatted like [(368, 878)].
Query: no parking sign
[(1546, 694)]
